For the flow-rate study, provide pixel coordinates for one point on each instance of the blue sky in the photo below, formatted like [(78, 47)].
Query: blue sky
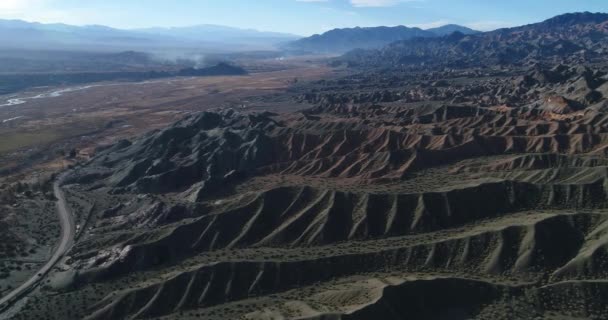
[(303, 17)]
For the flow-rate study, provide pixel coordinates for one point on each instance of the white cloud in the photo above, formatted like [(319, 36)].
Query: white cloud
[(368, 3), (379, 3), (373, 3)]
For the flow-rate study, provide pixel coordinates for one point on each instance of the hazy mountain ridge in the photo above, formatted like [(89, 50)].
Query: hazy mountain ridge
[(218, 33), (18, 34), (342, 40)]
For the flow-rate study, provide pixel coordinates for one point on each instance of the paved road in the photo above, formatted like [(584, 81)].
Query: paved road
[(66, 220)]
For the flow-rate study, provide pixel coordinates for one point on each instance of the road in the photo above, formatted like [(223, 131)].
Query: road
[(66, 220)]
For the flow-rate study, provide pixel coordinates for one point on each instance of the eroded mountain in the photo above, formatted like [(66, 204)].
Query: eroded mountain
[(440, 199)]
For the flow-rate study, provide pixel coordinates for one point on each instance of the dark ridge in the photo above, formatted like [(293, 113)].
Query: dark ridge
[(221, 69), (570, 38)]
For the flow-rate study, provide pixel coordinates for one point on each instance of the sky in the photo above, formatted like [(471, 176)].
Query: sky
[(301, 17)]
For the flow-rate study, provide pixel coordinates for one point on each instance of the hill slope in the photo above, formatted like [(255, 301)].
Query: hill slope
[(451, 28)]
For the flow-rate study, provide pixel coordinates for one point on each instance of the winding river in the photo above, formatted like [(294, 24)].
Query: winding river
[(58, 93)]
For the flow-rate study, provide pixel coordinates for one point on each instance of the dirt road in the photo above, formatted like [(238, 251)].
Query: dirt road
[(66, 220)]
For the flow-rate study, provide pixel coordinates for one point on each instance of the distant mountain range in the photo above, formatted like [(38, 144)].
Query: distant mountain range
[(17, 34), (220, 34), (569, 38), (343, 40)]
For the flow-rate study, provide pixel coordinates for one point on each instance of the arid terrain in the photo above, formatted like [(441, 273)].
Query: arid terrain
[(49, 129), (37, 119), (416, 190)]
